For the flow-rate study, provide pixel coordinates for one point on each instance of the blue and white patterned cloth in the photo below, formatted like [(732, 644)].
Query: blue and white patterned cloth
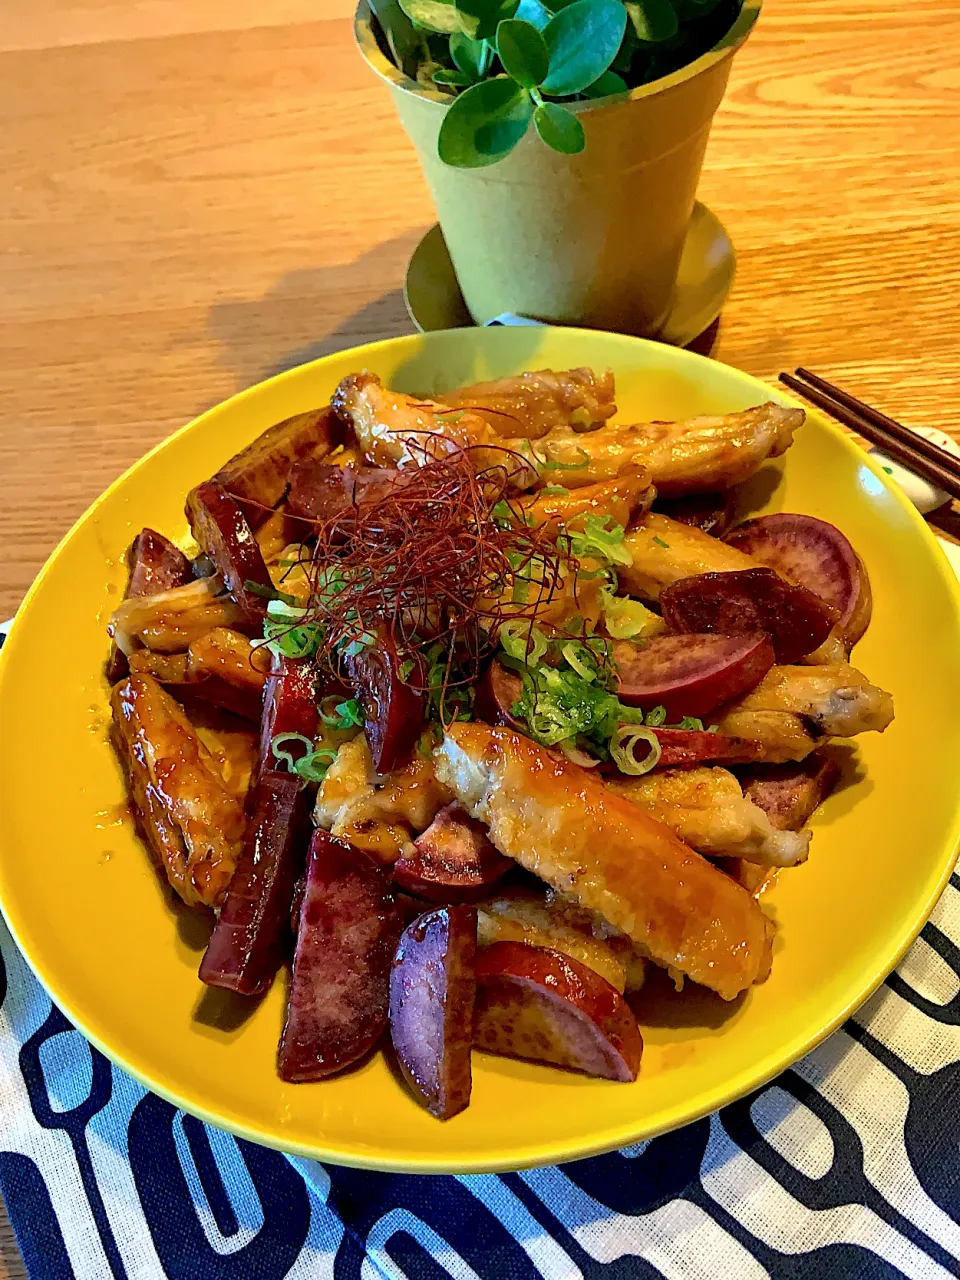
[(847, 1167)]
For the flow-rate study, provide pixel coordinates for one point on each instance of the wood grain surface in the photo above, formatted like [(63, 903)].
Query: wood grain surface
[(197, 193)]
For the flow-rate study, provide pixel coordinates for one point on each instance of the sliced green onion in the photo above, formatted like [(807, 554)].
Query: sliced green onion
[(520, 640), (626, 619), (277, 747), (691, 722), (550, 464), (287, 640), (284, 611), (502, 514), (602, 539), (623, 747), (351, 713), (313, 767), (431, 737), (555, 491), (656, 717), (660, 542), (573, 652), (268, 593), (337, 714)]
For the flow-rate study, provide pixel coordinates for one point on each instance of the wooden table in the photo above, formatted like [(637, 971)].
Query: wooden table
[(193, 199)]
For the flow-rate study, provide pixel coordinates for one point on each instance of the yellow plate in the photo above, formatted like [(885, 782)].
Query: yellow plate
[(88, 911)]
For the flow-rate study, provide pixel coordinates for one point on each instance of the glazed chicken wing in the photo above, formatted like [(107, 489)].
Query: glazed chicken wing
[(258, 477), (219, 667), (380, 815), (622, 499), (793, 709), (194, 824), (608, 855), (700, 455), (707, 809), (397, 430), (665, 551), (170, 620), (531, 404)]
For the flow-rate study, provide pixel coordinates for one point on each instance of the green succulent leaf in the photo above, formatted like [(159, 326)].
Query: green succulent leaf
[(471, 57), (523, 52), (433, 15), (653, 20), (606, 84), (534, 12), (583, 39), (559, 128), (479, 19), (484, 124)]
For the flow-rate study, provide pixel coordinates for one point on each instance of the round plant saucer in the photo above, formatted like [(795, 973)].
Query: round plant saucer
[(704, 281)]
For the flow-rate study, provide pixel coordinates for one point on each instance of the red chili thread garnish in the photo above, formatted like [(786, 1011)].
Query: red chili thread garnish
[(431, 561)]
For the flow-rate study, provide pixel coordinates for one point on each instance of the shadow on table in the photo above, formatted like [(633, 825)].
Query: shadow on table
[(314, 311)]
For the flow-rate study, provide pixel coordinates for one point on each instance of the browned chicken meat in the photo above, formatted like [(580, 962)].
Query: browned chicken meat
[(700, 455), (222, 667), (531, 404), (793, 709), (707, 809), (397, 430), (622, 499), (193, 822), (380, 815), (665, 551), (607, 855), (168, 621), (519, 914)]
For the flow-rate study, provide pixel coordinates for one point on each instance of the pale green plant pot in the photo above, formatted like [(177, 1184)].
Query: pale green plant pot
[(593, 239)]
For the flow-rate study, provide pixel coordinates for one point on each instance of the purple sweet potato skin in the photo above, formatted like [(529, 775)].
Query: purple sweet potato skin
[(730, 604), (432, 991), (452, 861), (349, 928), (251, 938)]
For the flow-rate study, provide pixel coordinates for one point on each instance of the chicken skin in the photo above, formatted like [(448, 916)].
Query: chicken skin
[(700, 455), (707, 809), (608, 856), (193, 822)]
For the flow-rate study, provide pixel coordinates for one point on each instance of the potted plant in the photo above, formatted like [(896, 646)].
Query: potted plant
[(562, 142)]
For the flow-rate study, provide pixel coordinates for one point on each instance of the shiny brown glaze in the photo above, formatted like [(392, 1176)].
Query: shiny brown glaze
[(190, 818), (690, 675), (731, 604), (221, 528), (155, 565), (251, 938), (452, 861), (562, 824), (394, 713), (348, 933), (258, 476)]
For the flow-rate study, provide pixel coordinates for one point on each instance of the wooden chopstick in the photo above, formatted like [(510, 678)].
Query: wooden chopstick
[(942, 469), (893, 428)]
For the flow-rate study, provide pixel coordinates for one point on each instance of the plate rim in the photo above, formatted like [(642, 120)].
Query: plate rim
[(611, 1138)]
